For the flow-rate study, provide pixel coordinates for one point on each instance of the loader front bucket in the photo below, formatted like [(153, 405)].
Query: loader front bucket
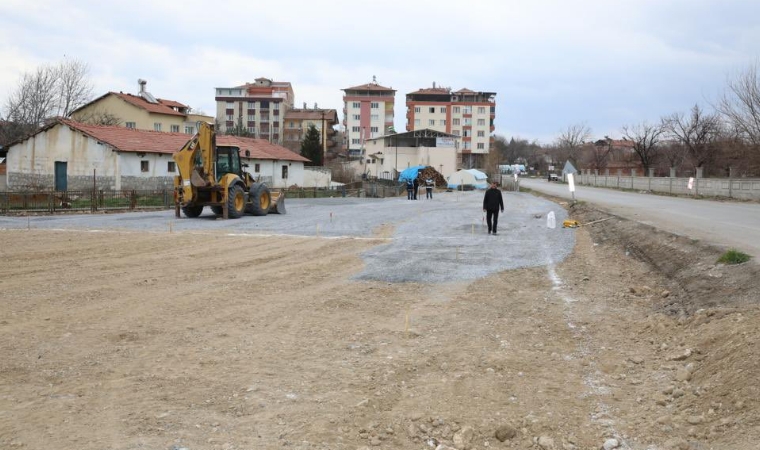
[(278, 203)]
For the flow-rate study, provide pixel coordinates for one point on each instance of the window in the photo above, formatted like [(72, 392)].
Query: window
[(467, 133), (443, 122), (357, 105), (284, 172), (257, 167), (481, 146), (157, 126), (189, 129), (357, 117), (355, 141), (432, 110), (276, 106), (374, 105), (455, 132), (467, 145), (230, 104), (252, 130), (175, 128), (481, 109), (467, 121), (481, 133), (356, 129), (455, 121), (252, 117), (230, 117), (251, 105), (416, 122), (374, 117), (144, 166), (443, 109), (171, 167), (130, 125), (482, 122), (373, 129), (416, 109), (467, 110), (456, 110), (431, 122)]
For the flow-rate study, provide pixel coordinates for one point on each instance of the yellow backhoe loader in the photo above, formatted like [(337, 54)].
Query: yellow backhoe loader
[(211, 175)]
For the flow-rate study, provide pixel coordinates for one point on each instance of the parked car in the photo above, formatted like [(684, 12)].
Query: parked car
[(553, 176)]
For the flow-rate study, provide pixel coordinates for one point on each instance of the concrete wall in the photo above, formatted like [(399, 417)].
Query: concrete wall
[(316, 177), (739, 188)]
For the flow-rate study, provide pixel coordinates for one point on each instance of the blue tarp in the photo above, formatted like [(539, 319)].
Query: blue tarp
[(410, 173)]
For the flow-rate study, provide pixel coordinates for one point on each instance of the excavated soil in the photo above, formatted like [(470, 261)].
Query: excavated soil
[(127, 340)]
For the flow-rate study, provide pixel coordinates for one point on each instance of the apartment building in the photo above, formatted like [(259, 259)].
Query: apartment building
[(298, 120), (367, 114), (463, 113), (256, 108)]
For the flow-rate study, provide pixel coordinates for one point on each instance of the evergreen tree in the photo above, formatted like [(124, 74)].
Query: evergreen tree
[(311, 147)]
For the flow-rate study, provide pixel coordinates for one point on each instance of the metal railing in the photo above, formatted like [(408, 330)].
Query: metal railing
[(86, 200)]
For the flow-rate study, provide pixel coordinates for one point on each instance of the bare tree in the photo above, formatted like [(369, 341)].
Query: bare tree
[(570, 140), (646, 139), (100, 118), (740, 105), (49, 91), (74, 86), (698, 133)]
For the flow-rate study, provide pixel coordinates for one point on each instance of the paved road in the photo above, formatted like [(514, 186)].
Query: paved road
[(725, 224)]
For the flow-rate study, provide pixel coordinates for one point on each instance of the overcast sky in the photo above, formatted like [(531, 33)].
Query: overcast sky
[(552, 63)]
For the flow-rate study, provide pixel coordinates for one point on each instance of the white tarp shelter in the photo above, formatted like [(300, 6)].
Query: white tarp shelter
[(468, 177)]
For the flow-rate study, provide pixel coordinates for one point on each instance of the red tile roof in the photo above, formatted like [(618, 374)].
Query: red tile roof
[(436, 91), (133, 140), (163, 107), (369, 87)]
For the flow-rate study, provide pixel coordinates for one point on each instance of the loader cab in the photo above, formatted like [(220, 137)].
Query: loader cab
[(227, 161)]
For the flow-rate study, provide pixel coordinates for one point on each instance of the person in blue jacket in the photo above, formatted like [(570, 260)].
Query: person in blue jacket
[(492, 204)]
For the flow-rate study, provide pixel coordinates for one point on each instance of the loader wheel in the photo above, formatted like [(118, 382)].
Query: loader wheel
[(218, 210), (192, 211), (260, 200), (236, 202)]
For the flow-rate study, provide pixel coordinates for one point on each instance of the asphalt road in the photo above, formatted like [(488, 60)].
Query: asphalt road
[(430, 241), (724, 224)]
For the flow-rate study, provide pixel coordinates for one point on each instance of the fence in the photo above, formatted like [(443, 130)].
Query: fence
[(85, 200), (738, 188), (93, 201)]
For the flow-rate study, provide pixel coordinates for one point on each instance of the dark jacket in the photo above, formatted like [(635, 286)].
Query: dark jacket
[(492, 201)]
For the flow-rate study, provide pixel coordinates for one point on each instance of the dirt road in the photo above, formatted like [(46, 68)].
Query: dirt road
[(130, 340)]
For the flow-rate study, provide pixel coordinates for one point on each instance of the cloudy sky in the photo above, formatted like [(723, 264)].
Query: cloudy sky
[(552, 63)]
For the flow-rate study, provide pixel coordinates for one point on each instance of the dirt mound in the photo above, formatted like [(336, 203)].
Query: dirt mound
[(696, 280)]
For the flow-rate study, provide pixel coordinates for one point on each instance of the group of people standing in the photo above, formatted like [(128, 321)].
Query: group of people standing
[(413, 186)]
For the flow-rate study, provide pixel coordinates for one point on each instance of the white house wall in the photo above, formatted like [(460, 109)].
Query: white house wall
[(270, 172), (442, 159), (31, 163)]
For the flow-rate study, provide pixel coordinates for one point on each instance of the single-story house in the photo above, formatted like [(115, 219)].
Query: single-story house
[(388, 155), (68, 155)]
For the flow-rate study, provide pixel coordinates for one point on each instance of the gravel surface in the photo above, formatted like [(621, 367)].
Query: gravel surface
[(438, 240)]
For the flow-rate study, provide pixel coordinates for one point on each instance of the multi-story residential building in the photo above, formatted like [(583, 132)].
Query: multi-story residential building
[(463, 113), (297, 122), (367, 113), (257, 109), (142, 111)]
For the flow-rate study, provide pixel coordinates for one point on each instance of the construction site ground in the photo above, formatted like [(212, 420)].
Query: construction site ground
[(374, 324)]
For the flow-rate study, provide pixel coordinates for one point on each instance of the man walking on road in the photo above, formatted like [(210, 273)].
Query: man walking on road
[(492, 204)]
